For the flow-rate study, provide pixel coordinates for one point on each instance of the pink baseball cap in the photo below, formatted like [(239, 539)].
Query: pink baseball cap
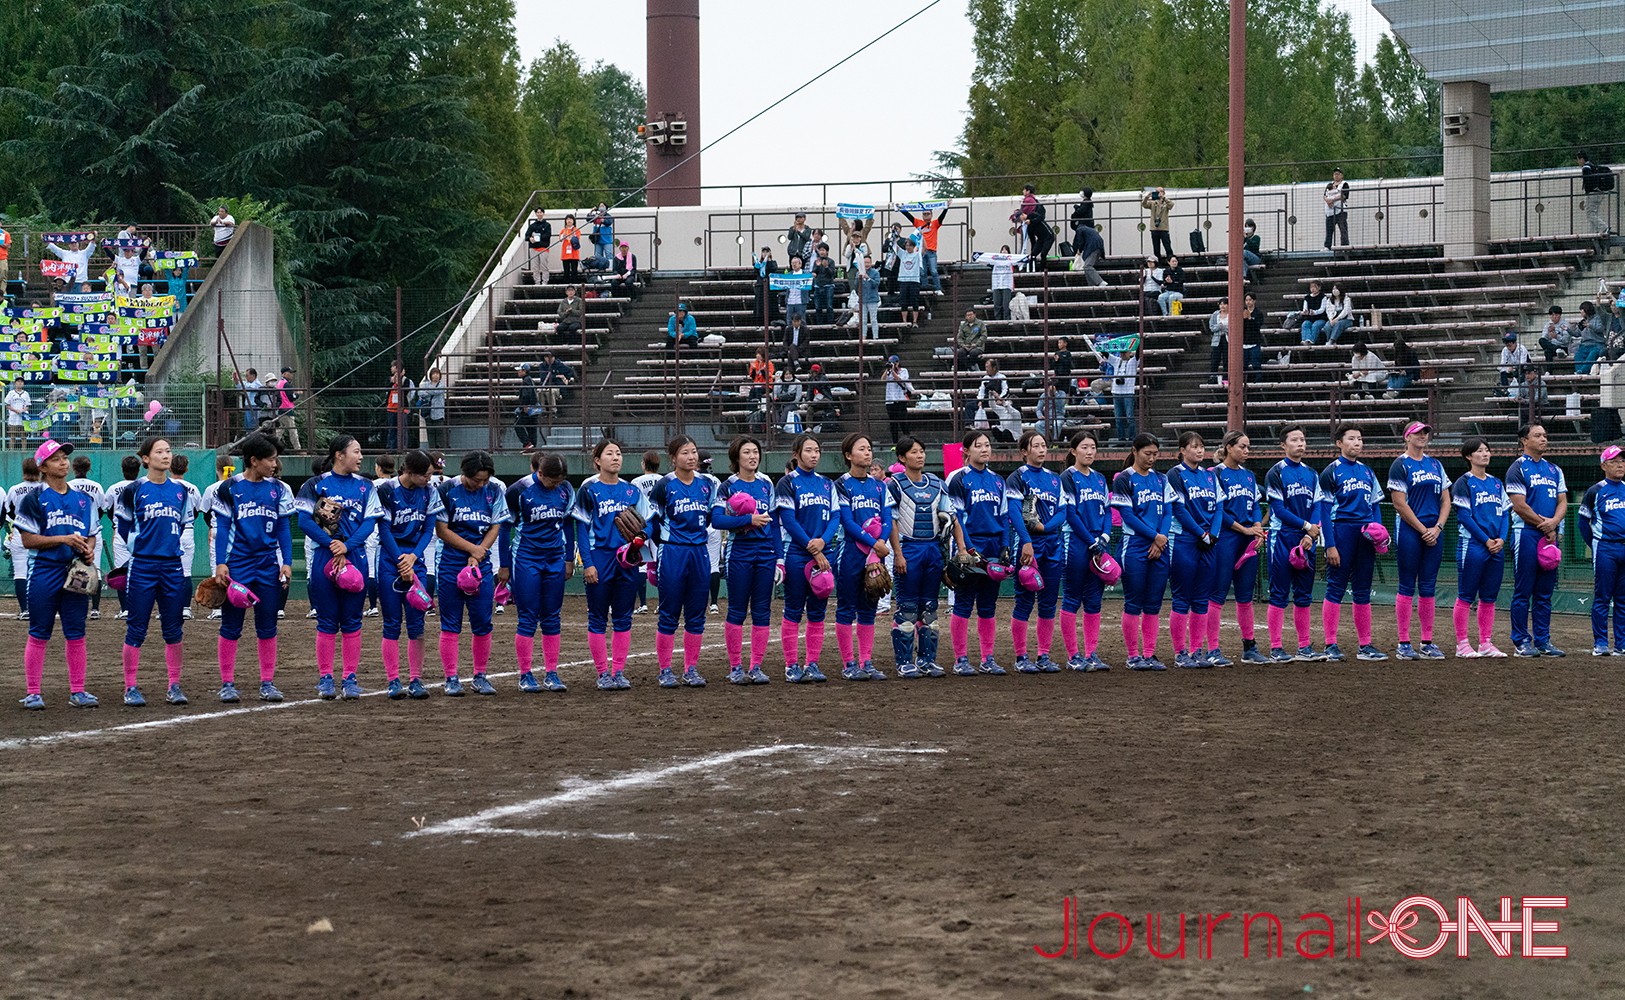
[(51, 447), (1418, 428), (1609, 453)]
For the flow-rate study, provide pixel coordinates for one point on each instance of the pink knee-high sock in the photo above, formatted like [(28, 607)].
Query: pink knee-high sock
[(1179, 631), (1300, 624), (414, 658), (482, 652), (1276, 617), (34, 664), (733, 636), (1362, 623), (1091, 632), (1486, 623), (325, 641), (1329, 615), (692, 641), (172, 660), (1427, 612), (449, 652), (350, 651), (524, 652), (1458, 617), (959, 636), (226, 650), (390, 650), (1069, 633), (132, 663), (1213, 611), (815, 641), (1046, 635), (1149, 626), (843, 639), (74, 651), (664, 645), (866, 642), (758, 644), (790, 641), (598, 643), (1402, 616), (267, 651), (987, 630), (1244, 621), (1018, 635), (550, 653), (620, 644), (1131, 634)]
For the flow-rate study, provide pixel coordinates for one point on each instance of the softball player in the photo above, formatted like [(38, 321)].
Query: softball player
[(1241, 528), (1349, 498), (1602, 525), (1291, 487), (157, 511), (1198, 514), (1482, 506), (1088, 533), (409, 509), (338, 509), (982, 508), (469, 523), (680, 523), (539, 505), (1416, 486), (920, 512), (20, 556), (1540, 501), (131, 467), (804, 503), (1140, 494), (861, 498), (1035, 487), (611, 586), (55, 524), (646, 483), (82, 482), (253, 547), (752, 562)]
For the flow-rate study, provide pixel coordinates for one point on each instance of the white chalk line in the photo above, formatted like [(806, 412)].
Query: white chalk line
[(481, 822), (26, 742)]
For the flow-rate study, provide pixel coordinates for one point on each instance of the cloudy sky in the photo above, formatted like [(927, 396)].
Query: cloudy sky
[(755, 53)]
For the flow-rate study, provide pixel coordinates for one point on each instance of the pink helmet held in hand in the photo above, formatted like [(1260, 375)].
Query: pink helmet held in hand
[(821, 581), (998, 570), (240, 596), (415, 593), (1548, 556), (346, 576), (1377, 535), (469, 579), (502, 595), (1028, 578), (1108, 569), (630, 554), (119, 578), (1302, 556), (1249, 552), (742, 504)]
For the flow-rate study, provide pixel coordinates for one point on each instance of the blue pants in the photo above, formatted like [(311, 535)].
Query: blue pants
[(1083, 587), (538, 593), (797, 596), (1192, 576), (928, 260), (1144, 580), (153, 581), (750, 586), (1478, 574), (1311, 330), (1584, 356), (337, 610), (613, 594), (453, 600), (1529, 582), (267, 586), (1051, 568), (1608, 560), (392, 604), (1358, 557), (1418, 563), (1298, 585), (823, 307), (685, 583), (47, 600), (851, 603), (1225, 574), (978, 591), (914, 602)]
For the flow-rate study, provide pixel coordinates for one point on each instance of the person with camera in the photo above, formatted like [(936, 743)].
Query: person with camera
[(1161, 208), (823, 289), (1336, 197), (603, 236), (899, 393), (539, 238), (570, 248)]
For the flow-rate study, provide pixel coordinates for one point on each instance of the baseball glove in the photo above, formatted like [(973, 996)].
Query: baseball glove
[(210, 594), (1029, 514), (630, 524), (876, 581), (328, 514)]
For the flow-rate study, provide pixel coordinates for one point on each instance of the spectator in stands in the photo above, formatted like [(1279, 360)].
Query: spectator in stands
[(823, 289), (761, 374), (908, 280), (1368, 373), (925, 234), (249, 384), (855, 233), (1004, 284), (820, 396), (1029, 204), (798, 241), (1252, 335), (899, 393), (868, 283), (795, 337), (889, 262), (681, 327), (570, 248), (1339, 314), (1125, 370), (395, 405), (1593, 338), (1172, 280), (624, 271), (603, 235), (1531, 392), (1039, 237), (1061, 363), (1249, 248), (1161, 208), (1555, 338), (286, 397), (539, 238), (1052, 410), (5, 263), (764, 304), (1083, 216), (1514, 359), (1313, 313), (526, 416), (555, 378), (1089, 247), (431, 399), (1592, 191), (572, 313), (787, 395), (1150, 287), (994, 386), (1407, 367), (971, 342), (18, 402), (1336, 197), (224, 227), (78, 255), (1218, 326), (795, 300)]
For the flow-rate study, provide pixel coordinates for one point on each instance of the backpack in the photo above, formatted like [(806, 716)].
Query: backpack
[(1602, 178)]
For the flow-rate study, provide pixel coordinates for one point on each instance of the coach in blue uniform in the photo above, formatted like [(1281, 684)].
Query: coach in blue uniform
[(1290, 487), (57, 525), (1416, 486), (1602, 525), (1540, 502), (1348, 496), (1481, 507)]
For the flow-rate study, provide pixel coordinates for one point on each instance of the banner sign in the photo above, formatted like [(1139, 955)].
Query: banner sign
[(782, 280), (84, 298), (146, 312), (923, 207), (845, 211), (129, 244), (33, 312), (68, 237), (1119, 345), (999, 258), (58, 269), (182, 255)]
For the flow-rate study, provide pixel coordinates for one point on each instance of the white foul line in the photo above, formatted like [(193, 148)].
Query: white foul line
[(480, 822)]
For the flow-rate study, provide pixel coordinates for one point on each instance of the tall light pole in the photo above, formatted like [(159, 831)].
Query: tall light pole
[(1238, 208)]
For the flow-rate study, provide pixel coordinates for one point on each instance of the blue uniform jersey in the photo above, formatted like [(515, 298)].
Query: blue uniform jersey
[(1088, 515), (1348, 493), (596, 504), (358, 509), (1602, 513), (1239, 492), (1481, 508), (1049, 504), (1145, 504), (682, 513), (761, 541), (920, 510), (859, 501), (406, 526), (1290, 488), (978, 500), (1423, 482), (1540, 483), (253, 526), (157, 514), (44, 511), (1195, 496), (806, 506), (470, 513), (543, 518)]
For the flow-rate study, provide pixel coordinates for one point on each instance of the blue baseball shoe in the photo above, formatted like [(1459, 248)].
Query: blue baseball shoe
[(396, 690), (1025, 665), (930, 669), (1185, 661), (1370, 652), (692, 678), (132, 698), (871, 671), (991, 667), (737, 675), (1279, 655), (1404, 652), (963, 668), (1252, 654), (454, 687), (1547, 649), (1217, 659), (1600, 649), (1428, 651), (666, 678), (1332, 654), (795, 673), (1525, 648), (481, 685), (551, 682), (33, 702), (350, 690), (910, 671), (268, 692), (1152, 663), (853, 672), (606, 681), (1097, 665), (83, 699), (759, 676), (528, 684), (174, 696), (1138, 663), (621, 683), (1308, 654), (325, 688), (813, 674), (228, 694), (1046, 665), (1078, 662), (415, 689)]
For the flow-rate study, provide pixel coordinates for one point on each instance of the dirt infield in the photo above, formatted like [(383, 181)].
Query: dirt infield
[(896, 839)]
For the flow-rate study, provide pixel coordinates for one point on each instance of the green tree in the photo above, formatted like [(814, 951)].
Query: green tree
[(483, 53), (621, 107), (569, 147)]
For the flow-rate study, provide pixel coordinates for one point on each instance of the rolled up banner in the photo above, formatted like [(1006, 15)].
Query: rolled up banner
[(130, 244), (846, 211), (67, 237), (1119, 345), (923, 207), (998, 258), (781, 280)]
